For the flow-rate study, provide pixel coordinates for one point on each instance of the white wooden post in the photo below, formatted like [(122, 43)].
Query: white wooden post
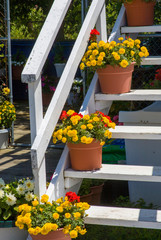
[(36, 117)]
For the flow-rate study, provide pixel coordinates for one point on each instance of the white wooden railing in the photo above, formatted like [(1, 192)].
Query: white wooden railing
[(42, 128)]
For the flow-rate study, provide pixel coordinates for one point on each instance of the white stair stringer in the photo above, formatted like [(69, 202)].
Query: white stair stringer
[(125, 217), (116, 172)]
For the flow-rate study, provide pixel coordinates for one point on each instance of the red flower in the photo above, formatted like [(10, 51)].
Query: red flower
[(93, 35), (72, 196), (94, 32), (63, 115), (158, 75), (79, 114)]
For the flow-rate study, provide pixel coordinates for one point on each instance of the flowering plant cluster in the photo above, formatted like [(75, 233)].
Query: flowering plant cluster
[(47, 85), (156, 83), (123, 53), (67, 214), (76, 128), (12, 195), (7, 110)]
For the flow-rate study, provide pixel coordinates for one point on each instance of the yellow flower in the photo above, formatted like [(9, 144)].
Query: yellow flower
[(54, 226), (83, 139), (83, 59), (93, 45), (44, 198), (59, 137), (95, 52), (121, 50), (85, 206), (82, 66), (92, 57), (106, 46), (121, 39), (70, 112), (88, 63), (35, 203), (6, 91), (59, 209), (76, 215), (141, 54), (100, 58), (64, 139), (117, 57), (86, 117), (102, 143), (132, 53), (59, 200), (75, 138), (102, 54), (137, 41), (90, 126), (138, 46), (99, 63), (112, 43), (55, 216), (83, 127), (67, 215), (124, 63), (143, 49), (93, 63), (83, 231), (73, 234), (101, 43), (89, 140), (146, 54), (95, 119)]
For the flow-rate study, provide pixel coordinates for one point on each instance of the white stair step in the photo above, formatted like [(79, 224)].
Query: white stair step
[(141, 29), (133, 95), (137, 132), (125, 217), (119, 172), (151, 60)]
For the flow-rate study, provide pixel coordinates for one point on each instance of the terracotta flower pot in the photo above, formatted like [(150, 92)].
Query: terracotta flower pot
[(115, 80), (140, 13), (53, 235), (96, 194), (46, 98), (85, 156), (86, 198)]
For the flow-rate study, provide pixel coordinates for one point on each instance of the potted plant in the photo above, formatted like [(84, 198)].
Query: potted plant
[(12, 195), (114, 63), (48, 88), (7, 115), (62, 219), (96, 188), (85, 192), (18, 61), (156, 83), (85, 136), (59, 60), (139, 12)]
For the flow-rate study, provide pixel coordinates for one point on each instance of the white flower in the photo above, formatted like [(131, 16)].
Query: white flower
[(29, 185), (20, 189), (1, 193), (29, 196), (2, 183), (11, 199)]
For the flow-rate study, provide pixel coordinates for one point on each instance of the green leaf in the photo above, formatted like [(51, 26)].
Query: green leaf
[(7, 214), (0, 211)]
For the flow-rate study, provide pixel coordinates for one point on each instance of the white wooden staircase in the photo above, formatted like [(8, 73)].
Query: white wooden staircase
[(65, 179)]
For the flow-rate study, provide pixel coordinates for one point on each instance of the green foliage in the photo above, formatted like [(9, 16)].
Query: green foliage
[(29, 26)]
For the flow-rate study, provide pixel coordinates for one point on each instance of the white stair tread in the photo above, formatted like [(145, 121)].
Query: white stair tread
[(137, 132), (127, 217), (141, 29), (133, 95), (151, 60), (119, 172)]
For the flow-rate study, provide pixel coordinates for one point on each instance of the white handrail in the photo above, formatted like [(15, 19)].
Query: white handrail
[(52, 115)]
